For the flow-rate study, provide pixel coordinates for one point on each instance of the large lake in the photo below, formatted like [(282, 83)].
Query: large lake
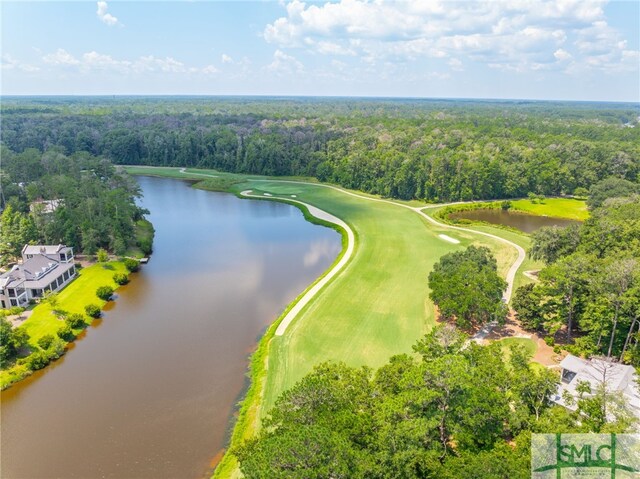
[(151, 389)]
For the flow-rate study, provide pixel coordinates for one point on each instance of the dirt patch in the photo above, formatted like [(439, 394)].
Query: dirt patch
[(512, 329)]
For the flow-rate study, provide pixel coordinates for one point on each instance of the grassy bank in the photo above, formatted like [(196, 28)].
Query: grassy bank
[(565, 208), (569, 208), (72, 299), (377, 306)]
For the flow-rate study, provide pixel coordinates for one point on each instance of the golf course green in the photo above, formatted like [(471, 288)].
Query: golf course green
[(376, 306)]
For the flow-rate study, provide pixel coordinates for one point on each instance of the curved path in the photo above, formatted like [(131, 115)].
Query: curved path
[(511, 274), (311, 292)]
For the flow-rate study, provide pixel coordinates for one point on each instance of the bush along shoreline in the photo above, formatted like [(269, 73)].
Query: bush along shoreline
[(58, 320)]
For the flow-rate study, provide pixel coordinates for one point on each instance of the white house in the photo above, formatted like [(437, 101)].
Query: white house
[(615, 376), (43, 268)]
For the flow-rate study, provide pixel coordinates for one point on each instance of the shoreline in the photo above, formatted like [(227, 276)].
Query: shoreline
[(19, 372), (327, 275)]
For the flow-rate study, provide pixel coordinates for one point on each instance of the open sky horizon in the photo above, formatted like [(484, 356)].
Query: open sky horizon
[(558, 50)]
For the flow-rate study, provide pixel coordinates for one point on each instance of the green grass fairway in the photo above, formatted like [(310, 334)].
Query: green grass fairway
[(558, 207), (379, 305), (73, 299)]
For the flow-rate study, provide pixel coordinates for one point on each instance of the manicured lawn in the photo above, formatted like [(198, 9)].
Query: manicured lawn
[(379, 305), (529, 346), (73, 299), (558, 207)]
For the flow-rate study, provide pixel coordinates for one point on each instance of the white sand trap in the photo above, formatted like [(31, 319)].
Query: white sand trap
[(449, 239), (267, 194), (293, 196)]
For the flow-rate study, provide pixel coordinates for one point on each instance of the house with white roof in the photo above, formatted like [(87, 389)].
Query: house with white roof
[(43, 268), (616, 377)]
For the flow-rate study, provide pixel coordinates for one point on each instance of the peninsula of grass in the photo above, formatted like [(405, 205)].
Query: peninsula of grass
[(72, 299), (377, 306)]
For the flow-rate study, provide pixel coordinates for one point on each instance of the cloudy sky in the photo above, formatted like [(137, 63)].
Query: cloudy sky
[(539, 49)]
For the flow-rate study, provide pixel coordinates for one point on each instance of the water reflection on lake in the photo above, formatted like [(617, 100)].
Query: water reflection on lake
[(522, 221), (150, 392)]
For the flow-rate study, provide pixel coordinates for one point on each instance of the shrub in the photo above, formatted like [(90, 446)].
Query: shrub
[(92, 310), (505, 205), (120, 278), (102, 255), (76, 321), (104, 292), (37, 360), (557, 349), (45, 341), (131, 264), (66, 333), (146, 246), (549, 340), (581, 192)]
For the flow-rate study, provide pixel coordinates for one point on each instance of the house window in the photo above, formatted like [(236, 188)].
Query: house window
[(567, 376), (14, 302), (3, 304), (12, 292)]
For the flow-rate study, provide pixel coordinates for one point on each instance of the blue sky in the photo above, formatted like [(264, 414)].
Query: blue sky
[(538, 49)]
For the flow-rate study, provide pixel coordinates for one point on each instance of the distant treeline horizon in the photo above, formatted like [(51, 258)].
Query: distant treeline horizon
[(428, 149)]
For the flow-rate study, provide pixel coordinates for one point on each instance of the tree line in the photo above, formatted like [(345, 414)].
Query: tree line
[(93, 205), (429, 150)]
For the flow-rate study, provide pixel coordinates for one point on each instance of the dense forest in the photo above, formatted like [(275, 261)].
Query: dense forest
[(435, 150), (77, 200), (461, 411)]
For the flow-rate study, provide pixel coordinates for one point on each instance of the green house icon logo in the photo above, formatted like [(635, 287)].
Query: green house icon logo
[(594, 456)]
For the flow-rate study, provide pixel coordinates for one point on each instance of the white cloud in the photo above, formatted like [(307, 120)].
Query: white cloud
[(209, 70), (226, 58), (562, 55), (284, 64), (7, 62), (151, 63), (61, 57), (105, 17), (93, 61), (518, 35), (456, 65)]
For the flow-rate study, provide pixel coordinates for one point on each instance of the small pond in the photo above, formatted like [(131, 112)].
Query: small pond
[(522, 221)]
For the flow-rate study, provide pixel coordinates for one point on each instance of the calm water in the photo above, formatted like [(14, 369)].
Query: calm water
[(149, 391), (521, 221)]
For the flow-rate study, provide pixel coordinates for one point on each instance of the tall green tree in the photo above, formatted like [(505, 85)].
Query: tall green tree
[(466, 286)]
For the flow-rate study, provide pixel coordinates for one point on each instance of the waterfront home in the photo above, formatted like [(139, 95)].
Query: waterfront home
[(43, 268), (616, 377)]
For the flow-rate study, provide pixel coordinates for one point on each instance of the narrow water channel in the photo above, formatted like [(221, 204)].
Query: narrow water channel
[(149, 391)]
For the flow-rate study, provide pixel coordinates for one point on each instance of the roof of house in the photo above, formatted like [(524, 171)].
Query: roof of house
[(46, 206), (39, 270), (43, 249), (573, 363), (616, 377), (12, 278)]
